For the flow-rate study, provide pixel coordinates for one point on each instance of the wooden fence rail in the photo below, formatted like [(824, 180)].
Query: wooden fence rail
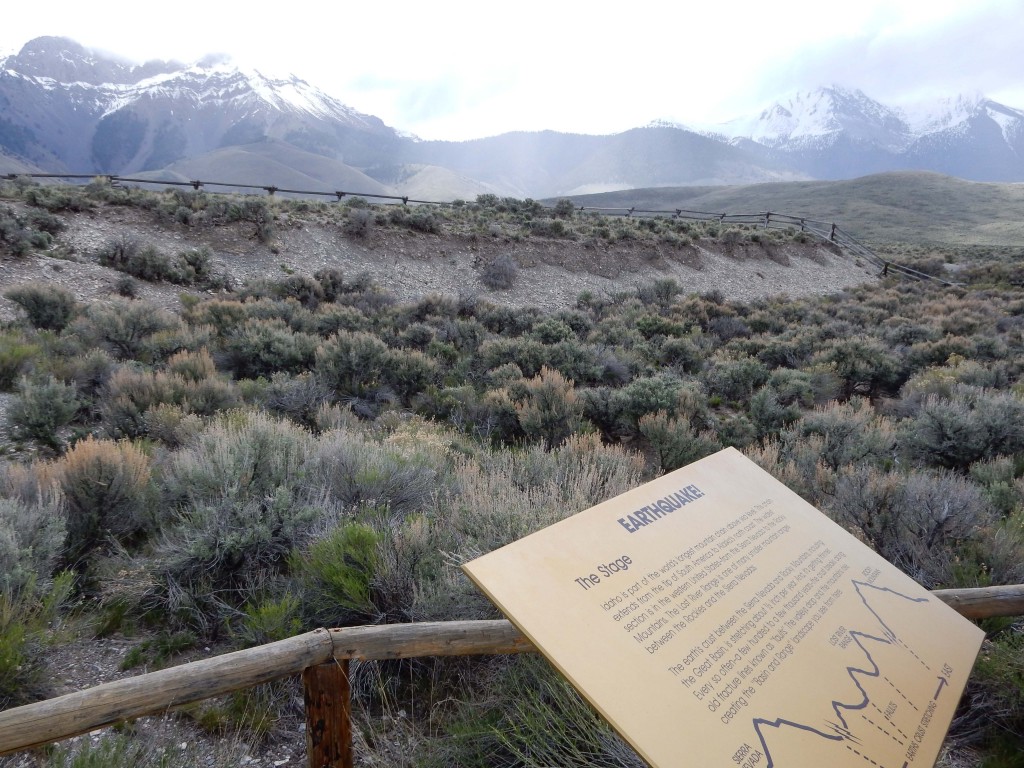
[(322, 658)]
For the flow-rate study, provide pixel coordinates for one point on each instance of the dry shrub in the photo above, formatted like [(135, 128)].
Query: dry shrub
[(549, 411), (502, 496), (675, 442), (534, 717), (192, 366), (500, 273), (172, 425), (850, 432), (131, 393), (922, 522), (106, 486), (799, 467), (357, 470), (240, 455)]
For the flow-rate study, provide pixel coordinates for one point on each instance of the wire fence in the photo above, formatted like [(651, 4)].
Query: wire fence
[(825, 231)]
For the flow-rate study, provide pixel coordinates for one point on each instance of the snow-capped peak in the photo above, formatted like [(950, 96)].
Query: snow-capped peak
[(810, 115), (949, 113), (937, 115)]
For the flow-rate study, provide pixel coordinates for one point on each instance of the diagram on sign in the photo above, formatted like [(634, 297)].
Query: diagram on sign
[(878, 720)]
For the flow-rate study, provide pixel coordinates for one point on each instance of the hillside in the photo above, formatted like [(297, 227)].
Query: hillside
[(552, 271), (905, 207)]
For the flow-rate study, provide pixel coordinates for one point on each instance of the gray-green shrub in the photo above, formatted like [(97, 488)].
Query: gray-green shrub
[(48, 307), (41, 409), (972, 425), (500, 273)]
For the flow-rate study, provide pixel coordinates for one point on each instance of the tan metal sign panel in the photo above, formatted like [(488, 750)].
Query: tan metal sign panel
[(715, 618)]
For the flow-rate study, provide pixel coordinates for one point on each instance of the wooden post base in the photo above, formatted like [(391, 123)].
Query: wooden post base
[(328, 715)]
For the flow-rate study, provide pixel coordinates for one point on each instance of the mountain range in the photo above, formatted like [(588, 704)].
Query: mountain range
[(66, 109)]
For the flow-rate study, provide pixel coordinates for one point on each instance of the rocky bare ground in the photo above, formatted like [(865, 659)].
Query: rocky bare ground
[(552, 275), (552, 272)]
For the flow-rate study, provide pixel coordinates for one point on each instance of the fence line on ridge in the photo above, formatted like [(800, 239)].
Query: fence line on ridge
[(826, 231)]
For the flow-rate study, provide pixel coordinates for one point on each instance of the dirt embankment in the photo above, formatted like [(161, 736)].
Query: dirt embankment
[(552, 273)]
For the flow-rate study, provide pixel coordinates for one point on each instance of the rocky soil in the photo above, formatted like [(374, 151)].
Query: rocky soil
[(552, 272)]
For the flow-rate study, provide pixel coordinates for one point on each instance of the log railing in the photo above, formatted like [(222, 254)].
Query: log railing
[(322, 658)]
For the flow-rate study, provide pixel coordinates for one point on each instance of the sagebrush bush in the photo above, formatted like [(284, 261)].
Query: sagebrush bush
[(256, 211), (972, 425), (16, 355), (528, 354), (217, 554), (240, 495), (123, 327), (500, 273), (130, 393), (172, 425), (734, 380), (769, 414), (644, 395), (31, 538), (42, 409), (549, 410), (299, 398), (921, 522), (851, 433), (409, 372), (352, 363), (499, 497), (865, 367), (357, 222), (192, 366), (20, 234), (358, 471), (239, 455), (264, 347), (48, 307), (106, 487), (674, 441)]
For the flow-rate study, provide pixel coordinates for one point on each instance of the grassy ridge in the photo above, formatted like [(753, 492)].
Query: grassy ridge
[(906, 207)]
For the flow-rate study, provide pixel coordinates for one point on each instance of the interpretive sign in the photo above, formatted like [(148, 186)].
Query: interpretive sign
[(715, 618)]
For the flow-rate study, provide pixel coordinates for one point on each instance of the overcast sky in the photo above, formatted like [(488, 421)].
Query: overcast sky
[(457, 70)]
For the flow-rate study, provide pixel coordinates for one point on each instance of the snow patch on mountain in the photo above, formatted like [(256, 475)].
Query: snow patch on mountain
[(816, 117), (939, 115)]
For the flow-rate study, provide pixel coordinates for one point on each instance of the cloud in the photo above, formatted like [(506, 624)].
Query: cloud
[(461, 68), (915, 59)]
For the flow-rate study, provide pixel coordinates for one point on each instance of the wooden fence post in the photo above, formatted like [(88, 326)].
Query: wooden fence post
[(325, 689)]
